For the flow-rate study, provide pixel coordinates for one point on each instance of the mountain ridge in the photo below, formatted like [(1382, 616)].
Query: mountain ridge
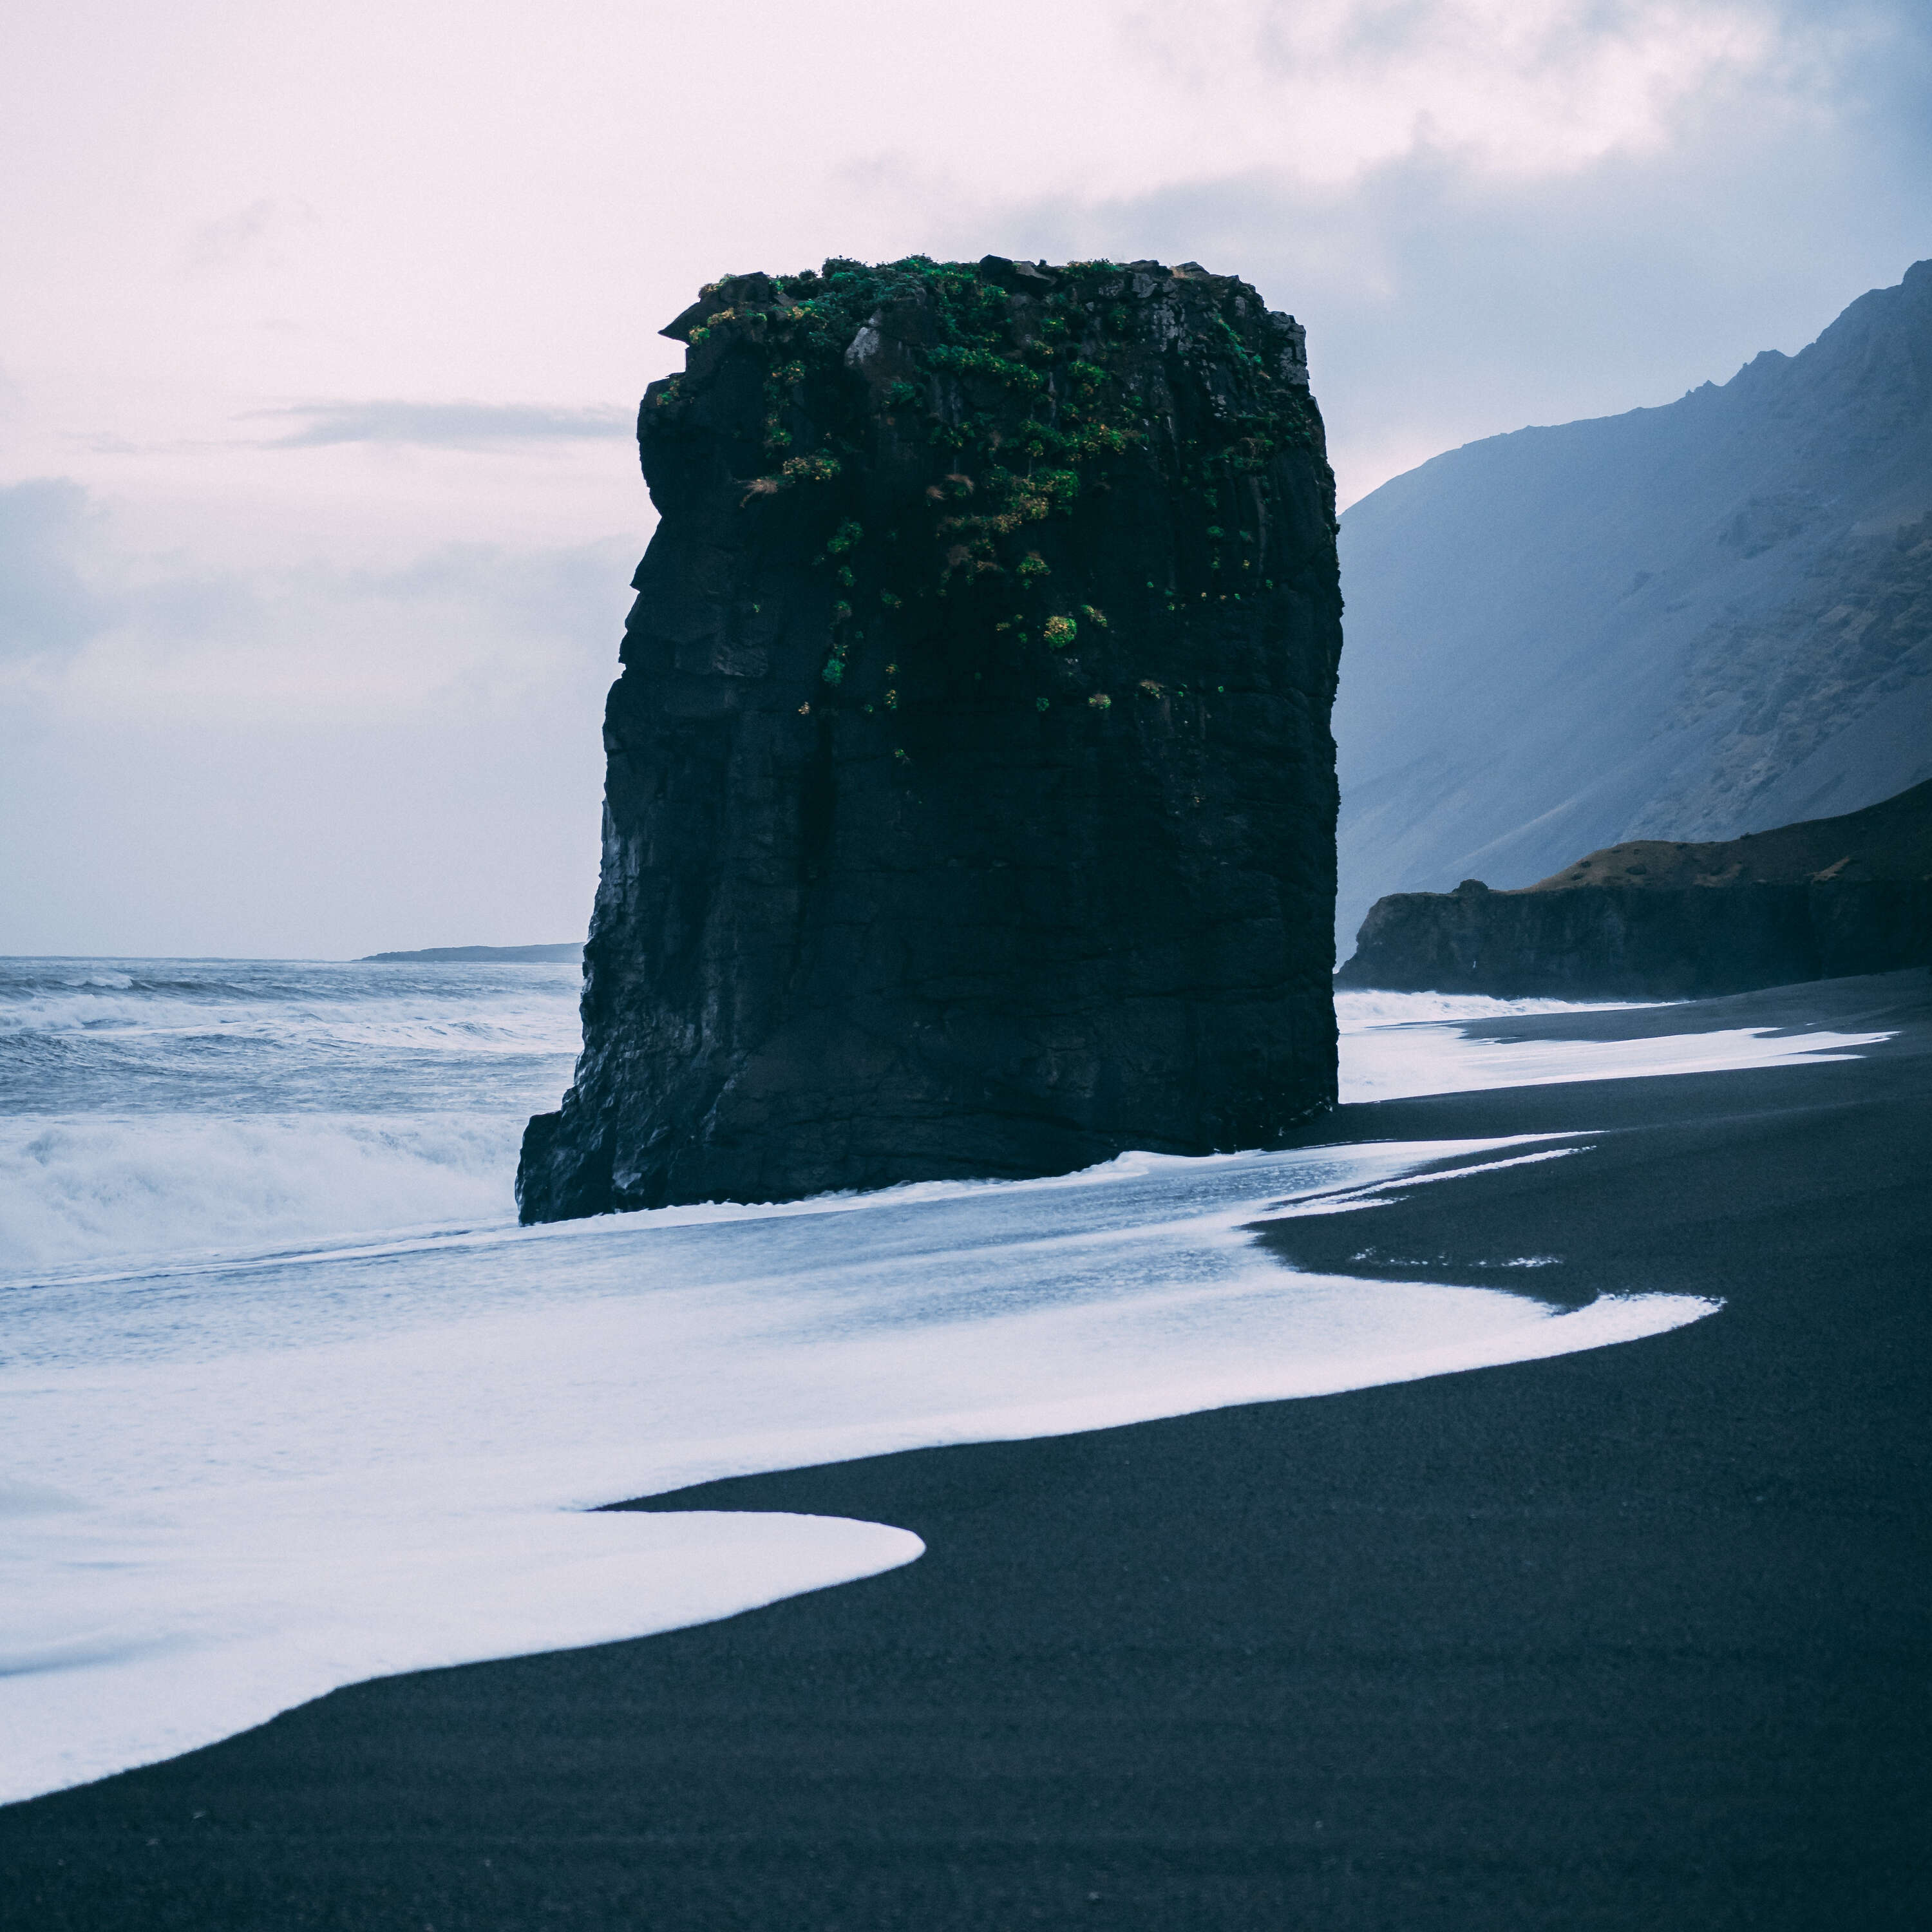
[(1693, 620)]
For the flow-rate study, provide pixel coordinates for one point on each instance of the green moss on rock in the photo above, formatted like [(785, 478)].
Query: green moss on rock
[(937, 434)]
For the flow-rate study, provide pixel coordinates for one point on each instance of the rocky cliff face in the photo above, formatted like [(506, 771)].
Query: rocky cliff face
[(1693, 622), (970, 798), (1663, 920)]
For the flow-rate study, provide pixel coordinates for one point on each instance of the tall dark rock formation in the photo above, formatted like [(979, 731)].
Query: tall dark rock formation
[(970, 800), (1657, 918), (1692, 622)]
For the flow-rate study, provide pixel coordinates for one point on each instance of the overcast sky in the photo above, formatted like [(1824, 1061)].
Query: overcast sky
[(321, 331)]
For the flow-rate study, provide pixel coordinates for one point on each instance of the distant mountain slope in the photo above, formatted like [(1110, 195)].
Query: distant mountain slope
[(1687, 622)]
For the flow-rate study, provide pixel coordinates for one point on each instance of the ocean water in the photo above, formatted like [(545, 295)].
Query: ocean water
[(157, 1107), (290, 1401)]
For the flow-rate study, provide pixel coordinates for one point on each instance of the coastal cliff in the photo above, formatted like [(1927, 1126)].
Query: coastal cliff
[(970, 798), (1660, 920)]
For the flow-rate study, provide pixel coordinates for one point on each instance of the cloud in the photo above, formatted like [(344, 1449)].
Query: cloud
[(92, 629), (459, 425), (300, 759), (48, 608), (1449, 298), (247, 236), (1333, 89)]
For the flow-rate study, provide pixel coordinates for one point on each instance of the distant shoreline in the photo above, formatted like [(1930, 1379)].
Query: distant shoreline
[(568, 954)]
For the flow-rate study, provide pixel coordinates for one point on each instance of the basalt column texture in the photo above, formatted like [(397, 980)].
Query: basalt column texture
[(970, 806)]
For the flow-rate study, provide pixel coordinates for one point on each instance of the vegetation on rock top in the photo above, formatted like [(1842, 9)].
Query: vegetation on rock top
[(940, 437)]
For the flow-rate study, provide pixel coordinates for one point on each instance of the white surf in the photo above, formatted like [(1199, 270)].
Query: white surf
[(255, 1453)]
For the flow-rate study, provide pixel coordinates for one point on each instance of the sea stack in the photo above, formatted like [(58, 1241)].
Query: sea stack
[(970, 803)]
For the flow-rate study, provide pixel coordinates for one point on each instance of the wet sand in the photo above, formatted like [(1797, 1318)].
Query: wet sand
[(1634, 1638)]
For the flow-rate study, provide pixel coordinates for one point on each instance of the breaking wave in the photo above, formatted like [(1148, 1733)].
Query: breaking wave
[(77, 1191), (158, 1108)]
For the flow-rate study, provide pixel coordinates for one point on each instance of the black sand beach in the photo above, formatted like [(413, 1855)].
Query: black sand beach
[(1632, 1638)]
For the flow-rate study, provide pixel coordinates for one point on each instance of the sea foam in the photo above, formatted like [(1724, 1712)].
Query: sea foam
[(83, 1193), (240, 1484), (150, 1109), (290, 1402), (1394, 1045)]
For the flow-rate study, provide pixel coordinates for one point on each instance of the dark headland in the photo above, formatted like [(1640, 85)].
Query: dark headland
[(970, 798), (1634, 1640), (567, 954), (1660, 919)]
